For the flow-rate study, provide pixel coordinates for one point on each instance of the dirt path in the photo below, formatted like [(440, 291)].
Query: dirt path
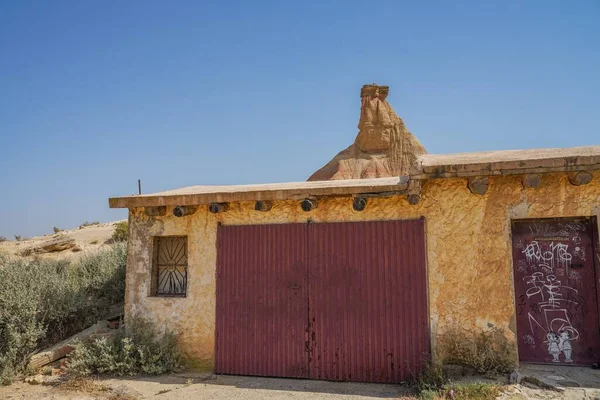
[(184, 387)]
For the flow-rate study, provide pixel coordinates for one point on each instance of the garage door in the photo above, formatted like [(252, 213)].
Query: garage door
[(334, 301)]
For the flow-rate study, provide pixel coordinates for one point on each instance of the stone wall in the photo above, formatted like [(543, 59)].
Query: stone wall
[(468, 251)]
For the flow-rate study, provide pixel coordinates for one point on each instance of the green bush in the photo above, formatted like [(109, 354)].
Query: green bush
[(18, 238), (121, 232), (136, 349), (56, 230), (44, 301)]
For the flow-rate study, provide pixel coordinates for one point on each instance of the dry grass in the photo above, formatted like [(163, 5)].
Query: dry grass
[(85, 385), (464, 391), (93, 387)]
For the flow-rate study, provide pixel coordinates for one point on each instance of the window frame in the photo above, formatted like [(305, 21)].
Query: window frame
[(157, 267)]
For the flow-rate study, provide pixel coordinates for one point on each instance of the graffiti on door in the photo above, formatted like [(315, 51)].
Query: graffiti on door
[(551, 294)]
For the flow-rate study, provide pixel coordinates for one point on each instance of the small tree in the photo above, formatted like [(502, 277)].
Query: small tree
[(18, 238)]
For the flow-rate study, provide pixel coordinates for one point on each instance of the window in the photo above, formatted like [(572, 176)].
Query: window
[(169, 266)]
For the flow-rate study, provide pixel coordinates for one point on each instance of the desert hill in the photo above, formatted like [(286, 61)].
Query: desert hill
[(87, 238)]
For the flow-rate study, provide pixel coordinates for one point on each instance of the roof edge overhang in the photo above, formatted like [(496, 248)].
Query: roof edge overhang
[(427, 166), (506, 162), (274, 191)]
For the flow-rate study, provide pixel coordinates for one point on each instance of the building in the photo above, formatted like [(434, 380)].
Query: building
[(359, 279)]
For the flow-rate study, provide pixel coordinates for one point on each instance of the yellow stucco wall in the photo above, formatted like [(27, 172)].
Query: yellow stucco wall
[(468, 251)]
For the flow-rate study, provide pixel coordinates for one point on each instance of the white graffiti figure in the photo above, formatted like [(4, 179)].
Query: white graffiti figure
[(557, 255), (550, 298), (553, 349), (564, 345)]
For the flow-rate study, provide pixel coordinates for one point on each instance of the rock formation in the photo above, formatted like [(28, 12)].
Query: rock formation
[(383, 146)]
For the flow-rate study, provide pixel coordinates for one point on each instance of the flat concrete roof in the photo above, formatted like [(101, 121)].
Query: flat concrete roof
[(427, 166), (193, 195), (506, 162)]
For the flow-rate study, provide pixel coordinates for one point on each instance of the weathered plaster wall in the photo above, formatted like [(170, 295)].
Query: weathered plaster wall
[(468, 250)]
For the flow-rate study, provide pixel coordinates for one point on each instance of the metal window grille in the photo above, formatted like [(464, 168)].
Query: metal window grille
[(171, 266)]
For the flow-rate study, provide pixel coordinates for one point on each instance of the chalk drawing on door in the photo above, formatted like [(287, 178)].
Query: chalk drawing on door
[(549, 300)]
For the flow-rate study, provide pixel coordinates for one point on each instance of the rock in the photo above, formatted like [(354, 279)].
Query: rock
[(60, 243), (35, 380), (40, 379), (383, 147), (515, 377)]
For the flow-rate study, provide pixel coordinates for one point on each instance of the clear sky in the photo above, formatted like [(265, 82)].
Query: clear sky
[(96, 94)]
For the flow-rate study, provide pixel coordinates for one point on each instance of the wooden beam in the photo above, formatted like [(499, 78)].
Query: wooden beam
[(531, 181), (182, 211), (413, 199), (263, 205), (309, 204), (218, 207), (359, 203), (580, 178), (479, 184)]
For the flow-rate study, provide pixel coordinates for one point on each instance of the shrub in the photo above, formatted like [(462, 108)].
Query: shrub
[(87, 223), (3, 239), (136, 349), (18, 238), (56, 230), (44, 301), (121, 232), (489, 353)]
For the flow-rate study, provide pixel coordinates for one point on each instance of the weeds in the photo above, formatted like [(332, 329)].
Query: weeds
[(136, 349), (44, 301), (489, 353), (121, 232), (432, 384), (431, 378), (473, 391)]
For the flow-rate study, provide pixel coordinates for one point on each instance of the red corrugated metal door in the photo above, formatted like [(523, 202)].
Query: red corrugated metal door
[(262, 304), (368, 300), (335, 301), (556, 291)]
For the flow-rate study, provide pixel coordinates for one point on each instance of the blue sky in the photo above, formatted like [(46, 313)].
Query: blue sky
[(95, 95)]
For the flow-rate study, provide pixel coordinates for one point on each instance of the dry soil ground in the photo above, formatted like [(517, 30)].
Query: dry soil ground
[(190, 386)]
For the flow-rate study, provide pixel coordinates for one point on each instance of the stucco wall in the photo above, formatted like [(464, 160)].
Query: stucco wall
[(468, 251)]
